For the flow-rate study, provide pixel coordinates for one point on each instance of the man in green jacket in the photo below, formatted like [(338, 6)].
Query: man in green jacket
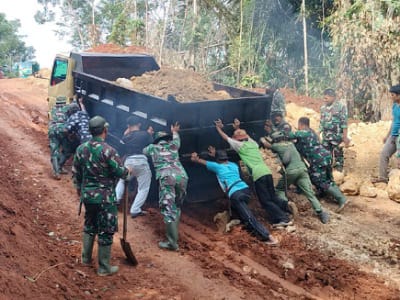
[(95, 170), (295, 172)]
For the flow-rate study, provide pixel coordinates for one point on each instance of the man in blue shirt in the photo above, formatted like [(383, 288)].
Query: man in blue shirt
[(236, 189), (390, 139)]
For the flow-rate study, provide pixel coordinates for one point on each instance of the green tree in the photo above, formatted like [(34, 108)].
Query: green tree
[(367, 34), (12, 48), (76, 20)]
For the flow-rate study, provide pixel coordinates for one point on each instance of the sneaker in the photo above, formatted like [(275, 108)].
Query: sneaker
[(63, 171), (379, 179), (56, 176), (342, 206), (323, 216), (272, 241), (141, 213), (282, 224)]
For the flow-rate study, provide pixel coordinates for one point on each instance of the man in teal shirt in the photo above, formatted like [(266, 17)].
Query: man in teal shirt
[(391, 137), (236, 189)]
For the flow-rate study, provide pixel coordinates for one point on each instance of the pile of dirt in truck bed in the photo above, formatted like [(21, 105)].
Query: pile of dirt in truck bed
[(112, 48), (184, 85)]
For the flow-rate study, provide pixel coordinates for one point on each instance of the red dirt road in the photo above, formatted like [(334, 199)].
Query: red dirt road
[(40, 235)]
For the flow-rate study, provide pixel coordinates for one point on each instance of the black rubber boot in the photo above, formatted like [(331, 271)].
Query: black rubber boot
[(104, 262), (87, 248)]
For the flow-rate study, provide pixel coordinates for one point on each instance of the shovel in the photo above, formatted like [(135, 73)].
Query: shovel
[(124, 243)]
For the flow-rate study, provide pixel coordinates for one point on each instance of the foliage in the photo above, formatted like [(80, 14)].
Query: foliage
[(368, 36), (12, 48)]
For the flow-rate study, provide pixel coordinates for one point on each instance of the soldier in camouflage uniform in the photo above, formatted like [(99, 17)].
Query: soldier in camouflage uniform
[(279, 123), (172, 181), (56, 133), (295, 172), (333, 126), (78, 121), (278, 100), (319, 160), (95, 170)]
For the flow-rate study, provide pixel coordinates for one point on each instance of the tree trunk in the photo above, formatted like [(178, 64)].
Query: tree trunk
[(303, 12), (240, 43), (166, 14)]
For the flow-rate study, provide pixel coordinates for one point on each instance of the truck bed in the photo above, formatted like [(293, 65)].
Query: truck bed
[(104, 97)]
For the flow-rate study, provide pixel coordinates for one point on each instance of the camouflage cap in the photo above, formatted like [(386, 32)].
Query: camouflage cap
[(161, 135), (98, 122), (61, 100)]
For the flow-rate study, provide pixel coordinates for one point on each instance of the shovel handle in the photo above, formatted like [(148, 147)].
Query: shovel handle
[(124, 208)]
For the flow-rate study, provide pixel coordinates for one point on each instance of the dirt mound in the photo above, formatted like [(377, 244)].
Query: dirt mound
[(184, 85), (112, 48)]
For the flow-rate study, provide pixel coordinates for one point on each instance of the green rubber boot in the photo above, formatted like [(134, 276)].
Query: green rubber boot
[(172, 235), (87, 248), (336, 193), (104, 262)]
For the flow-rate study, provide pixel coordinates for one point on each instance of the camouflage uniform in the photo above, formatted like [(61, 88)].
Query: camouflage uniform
[(333, 121), (170, 174), (57, 134), (278, 103), (295, 173), (95, 170), (78, 123), (319, 159)]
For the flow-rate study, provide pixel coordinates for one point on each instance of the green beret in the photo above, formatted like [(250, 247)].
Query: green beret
[(98, 122)]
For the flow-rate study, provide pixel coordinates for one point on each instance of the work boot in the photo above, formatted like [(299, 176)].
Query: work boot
[(105, 269), (87, 248), (172, 235), (336, 193), (56, 168), (323, 216)]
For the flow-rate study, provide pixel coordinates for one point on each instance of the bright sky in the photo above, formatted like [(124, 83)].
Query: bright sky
[(40, 37)]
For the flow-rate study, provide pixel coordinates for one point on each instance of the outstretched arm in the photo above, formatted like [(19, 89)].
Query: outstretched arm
[(219, 126), (195, 158)]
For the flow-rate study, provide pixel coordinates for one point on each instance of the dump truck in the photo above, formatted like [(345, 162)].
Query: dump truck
[(92, 76)]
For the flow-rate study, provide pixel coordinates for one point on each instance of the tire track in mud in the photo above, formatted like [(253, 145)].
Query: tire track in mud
[(254, 274)]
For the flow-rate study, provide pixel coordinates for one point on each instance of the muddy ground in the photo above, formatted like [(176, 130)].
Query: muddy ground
[(353, 257)]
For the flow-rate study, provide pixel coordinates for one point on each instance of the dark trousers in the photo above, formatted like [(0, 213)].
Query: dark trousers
[(239, 200), (275, 207)]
